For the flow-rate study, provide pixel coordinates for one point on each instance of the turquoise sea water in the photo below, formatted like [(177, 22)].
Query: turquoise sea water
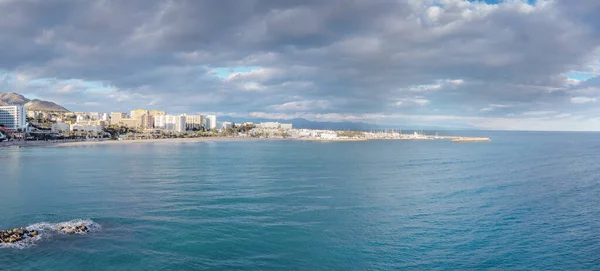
[(525, 201)]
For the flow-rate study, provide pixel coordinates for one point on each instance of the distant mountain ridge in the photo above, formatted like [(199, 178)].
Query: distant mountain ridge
[(308, 124), (342, 125), (11, 98)]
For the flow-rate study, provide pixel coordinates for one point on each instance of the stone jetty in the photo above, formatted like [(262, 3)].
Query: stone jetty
[(16, 235)]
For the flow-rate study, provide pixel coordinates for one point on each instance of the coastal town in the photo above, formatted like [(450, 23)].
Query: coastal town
[(18, 123)]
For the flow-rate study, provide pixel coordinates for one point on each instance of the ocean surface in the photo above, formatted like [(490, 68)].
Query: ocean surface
[(525, 201)]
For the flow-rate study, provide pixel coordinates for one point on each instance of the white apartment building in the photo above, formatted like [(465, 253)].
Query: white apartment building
[(227, 125), (170, 123), (160, 122), (211, 122), (180, 123), (13, 117)]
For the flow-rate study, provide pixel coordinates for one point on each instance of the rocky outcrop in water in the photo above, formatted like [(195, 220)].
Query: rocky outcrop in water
[(20, 234), (16, 235), (73, 229)]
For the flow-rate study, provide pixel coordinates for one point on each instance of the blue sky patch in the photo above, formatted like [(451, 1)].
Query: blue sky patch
[(224, 72), (579, 76)]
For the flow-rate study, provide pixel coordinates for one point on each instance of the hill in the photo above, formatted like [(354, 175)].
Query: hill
[(8, 98), (13, 98), (39, 105), (308, 124)]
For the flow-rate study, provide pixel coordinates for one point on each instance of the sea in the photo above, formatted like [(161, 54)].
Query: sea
[(524, 201)]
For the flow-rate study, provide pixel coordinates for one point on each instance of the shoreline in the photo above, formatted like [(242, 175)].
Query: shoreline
[(69, 143), (72, 143)]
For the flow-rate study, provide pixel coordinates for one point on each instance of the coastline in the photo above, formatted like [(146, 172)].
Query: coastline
[(70, 143), (73, 143)]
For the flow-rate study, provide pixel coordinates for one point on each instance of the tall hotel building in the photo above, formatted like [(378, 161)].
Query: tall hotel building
[(12, 117)]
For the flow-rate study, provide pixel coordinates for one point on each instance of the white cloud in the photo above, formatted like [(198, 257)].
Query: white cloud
[(582, 100), (407, 102), (491, 107), (301, 105)]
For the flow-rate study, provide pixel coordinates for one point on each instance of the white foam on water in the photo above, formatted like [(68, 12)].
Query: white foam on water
[(47, 230)]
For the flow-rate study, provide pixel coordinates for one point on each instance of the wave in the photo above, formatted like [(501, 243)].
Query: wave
[(48, 230)]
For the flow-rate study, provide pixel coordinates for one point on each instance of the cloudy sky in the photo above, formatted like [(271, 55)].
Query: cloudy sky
[(517, 65)]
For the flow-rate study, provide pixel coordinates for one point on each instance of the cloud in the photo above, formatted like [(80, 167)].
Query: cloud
[(582, 100), (492, 107), (417, 101), (316, 58)]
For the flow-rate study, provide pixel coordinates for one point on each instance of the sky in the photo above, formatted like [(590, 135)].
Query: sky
[(506, 65)]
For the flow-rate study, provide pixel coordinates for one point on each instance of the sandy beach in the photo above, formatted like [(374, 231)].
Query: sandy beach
[(70, 143)]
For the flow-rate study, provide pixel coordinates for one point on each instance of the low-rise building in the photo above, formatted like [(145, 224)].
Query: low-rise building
[(61, 128), (269, 125), (84, 129), (329, 135), (227, 125)]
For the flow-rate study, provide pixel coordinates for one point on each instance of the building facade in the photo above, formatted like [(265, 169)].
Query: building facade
[(116, 117), (227, 125), (210, 122), (13, 117), (170, 123), (156, 113), (138, 112), (61, 128), (193, 122), (180, 123)]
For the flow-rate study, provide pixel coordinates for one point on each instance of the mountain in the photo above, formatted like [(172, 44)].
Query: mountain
[(35, 104), (308, 124), (39, 105), (344, 125), (13, 98)]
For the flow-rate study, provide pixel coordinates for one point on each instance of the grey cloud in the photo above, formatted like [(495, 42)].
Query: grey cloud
[(316, 56)]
